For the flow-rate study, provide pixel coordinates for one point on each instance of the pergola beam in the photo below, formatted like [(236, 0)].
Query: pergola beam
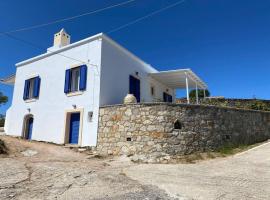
[(197, 95), (187, 88)]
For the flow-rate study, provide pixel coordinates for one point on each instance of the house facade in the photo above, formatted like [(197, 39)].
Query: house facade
[(57, 95)]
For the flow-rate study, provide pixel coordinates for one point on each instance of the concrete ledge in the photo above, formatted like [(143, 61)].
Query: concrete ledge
[(181, 105)]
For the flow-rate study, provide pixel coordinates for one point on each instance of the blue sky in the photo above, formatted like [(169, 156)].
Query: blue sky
[(226, 42)]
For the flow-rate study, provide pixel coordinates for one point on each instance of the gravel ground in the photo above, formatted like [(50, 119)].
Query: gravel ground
[(35, 170)]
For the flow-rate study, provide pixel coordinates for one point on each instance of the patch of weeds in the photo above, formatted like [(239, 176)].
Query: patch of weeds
[(226, 150), (210, 155), (122, 173), (232, 149), (192, 158), (3, 147), (98, 156)]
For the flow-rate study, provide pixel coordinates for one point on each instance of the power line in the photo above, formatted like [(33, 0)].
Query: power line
[(146, 16), (41, 47), (66, 19), (111, 31)]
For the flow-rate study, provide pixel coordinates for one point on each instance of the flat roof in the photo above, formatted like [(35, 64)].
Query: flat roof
[(176, 79)]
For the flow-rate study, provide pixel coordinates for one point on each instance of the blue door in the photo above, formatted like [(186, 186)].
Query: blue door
[(74, 128), (134, 87), (29, 128), (167, 97)]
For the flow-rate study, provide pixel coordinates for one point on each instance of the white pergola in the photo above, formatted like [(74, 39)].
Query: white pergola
[(181, 79), (9, 80)]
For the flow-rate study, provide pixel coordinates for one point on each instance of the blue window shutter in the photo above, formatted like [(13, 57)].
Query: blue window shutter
[(67, 81), (26, 89), (83, 77), (36, 87)]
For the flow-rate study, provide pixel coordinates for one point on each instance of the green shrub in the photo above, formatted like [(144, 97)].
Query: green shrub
[(259, 105), (3, 148), (2, 120)]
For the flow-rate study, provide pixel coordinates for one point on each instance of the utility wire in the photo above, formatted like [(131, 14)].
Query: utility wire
[(111, 31), (146, 16), (66, 19), (42, 48)]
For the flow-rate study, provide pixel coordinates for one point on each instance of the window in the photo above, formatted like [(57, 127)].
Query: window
[(75, 79), (152, 90), (31, 88)]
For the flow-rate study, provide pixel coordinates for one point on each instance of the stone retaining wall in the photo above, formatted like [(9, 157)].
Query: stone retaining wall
[(149, 128)]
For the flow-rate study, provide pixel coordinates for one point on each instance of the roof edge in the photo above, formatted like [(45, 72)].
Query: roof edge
[(70, 46)]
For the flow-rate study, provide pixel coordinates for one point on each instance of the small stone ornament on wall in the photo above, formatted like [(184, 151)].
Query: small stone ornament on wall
[(129, 99)]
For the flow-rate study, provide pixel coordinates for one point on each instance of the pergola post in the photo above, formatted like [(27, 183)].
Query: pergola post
[(187, 88), (197, 95), (204, 93)]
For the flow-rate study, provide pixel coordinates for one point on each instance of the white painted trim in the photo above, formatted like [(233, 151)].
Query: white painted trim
[(84, 41), (81, 42), (74, 93), (30, 100)]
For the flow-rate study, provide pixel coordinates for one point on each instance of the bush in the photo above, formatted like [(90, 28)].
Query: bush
[(3, 148), (259, 105), (2, 120), (192, 93)]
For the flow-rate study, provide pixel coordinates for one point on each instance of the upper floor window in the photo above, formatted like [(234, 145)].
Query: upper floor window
[(75, 79), (31, 88)]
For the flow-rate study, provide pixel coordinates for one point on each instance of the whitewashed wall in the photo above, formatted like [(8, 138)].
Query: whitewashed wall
[(116, 66), (49, 109), (107, 83)]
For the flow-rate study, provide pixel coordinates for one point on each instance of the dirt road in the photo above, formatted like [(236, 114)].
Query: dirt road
[(48, 171), (244, 176), (36, 170)]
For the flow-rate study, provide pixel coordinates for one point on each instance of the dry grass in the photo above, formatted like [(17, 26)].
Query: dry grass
[(222, 152)]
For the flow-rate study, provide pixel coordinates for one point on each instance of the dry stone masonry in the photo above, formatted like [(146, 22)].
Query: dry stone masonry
[(177, 129)]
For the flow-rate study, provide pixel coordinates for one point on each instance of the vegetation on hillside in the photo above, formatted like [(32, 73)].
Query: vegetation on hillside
[(2, 120), (192, 94), (3, 98)]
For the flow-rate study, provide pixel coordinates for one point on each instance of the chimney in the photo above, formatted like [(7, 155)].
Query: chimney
[(61, 39)]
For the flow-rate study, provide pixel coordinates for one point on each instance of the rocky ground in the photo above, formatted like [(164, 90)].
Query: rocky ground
[(36, 170)]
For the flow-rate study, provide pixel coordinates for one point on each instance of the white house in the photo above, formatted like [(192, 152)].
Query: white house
[(57, 95)]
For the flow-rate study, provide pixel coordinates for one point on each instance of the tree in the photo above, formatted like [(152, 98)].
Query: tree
[(2, 120), (192, 93), (3, 98)]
